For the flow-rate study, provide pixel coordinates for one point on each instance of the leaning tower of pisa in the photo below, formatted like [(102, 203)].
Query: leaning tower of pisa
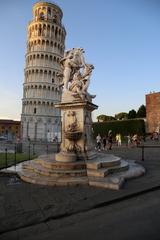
[(40, 120)]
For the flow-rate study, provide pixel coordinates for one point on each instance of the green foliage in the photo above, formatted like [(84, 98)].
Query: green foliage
[(121, 116), (104, 118), (141, 113), (132, 114), (124, 127)]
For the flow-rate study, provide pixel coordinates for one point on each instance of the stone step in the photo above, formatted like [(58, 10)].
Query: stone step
[(103, 172), (64, 166), (32, 177), (41, 170), (103, 161), (113, 182), (97, 173), (48, 161)]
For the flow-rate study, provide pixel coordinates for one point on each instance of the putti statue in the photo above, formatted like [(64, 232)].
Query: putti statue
[(76, 74)]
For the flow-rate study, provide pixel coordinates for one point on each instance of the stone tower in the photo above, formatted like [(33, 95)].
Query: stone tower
[(45, 47)]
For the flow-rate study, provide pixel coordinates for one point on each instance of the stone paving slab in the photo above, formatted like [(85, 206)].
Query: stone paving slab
[(27, 209)]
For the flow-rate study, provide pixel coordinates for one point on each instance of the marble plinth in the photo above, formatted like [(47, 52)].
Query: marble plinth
[(77, 141)]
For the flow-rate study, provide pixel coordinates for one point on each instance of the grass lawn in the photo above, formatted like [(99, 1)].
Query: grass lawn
[(20, 157)]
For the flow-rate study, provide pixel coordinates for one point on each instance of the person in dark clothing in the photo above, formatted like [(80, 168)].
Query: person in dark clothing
[(104, 141), (110, 140)]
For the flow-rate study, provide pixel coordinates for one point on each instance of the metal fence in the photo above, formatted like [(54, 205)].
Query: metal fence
[(12, 154), (146, 146)]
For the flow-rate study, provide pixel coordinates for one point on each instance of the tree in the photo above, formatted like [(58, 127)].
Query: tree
[(121, 116), (104, 118), (141, 113), (132, 114)]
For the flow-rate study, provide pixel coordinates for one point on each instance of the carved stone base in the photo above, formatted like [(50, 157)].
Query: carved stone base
[(77, 141), (72, 157), (65, 157)]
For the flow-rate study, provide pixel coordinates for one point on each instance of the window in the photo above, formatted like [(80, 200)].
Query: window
[(35, 110), (49, 11), (55, 19), (42, 16)]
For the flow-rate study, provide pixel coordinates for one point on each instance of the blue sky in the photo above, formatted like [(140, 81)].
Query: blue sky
[(121, 39)]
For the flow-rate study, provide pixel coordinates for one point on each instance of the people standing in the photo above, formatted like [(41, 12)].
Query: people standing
[(136, 140), (104, 141), (98, 140), (128, 140), (119, 140), (110, 140)]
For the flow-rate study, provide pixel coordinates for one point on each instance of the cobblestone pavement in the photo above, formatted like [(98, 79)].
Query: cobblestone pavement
[(27, 209)]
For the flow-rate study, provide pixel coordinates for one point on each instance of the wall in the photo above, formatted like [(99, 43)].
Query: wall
[(153, 112)]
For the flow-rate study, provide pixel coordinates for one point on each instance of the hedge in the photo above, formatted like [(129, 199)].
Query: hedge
[(124, 127)]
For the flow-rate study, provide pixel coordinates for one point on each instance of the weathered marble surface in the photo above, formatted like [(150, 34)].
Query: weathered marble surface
[(107, 171)]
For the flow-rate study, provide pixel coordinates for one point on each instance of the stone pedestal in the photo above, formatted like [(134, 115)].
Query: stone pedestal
[(77, 143)]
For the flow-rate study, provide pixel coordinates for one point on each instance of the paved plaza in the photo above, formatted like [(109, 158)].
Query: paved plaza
[(27, 209)]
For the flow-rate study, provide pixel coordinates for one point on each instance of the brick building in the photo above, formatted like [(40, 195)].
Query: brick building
[(153, 112), (9, 129)]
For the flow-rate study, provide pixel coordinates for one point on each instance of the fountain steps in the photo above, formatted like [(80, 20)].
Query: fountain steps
[(33, 177), (107, 171), (50, 172)]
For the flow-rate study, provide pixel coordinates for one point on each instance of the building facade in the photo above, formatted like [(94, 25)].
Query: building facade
[(153, 112), (40, 120), (9, 130)]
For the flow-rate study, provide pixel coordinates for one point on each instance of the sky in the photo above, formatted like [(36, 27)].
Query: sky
[(121, 39)]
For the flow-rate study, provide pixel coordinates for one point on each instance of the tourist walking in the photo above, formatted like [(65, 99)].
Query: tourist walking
[(118, 139), (128, 140), (136, 140)]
